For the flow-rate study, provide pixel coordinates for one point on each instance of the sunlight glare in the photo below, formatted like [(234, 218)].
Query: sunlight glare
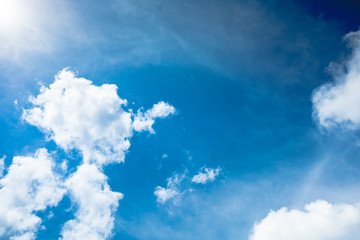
[(11, 14)]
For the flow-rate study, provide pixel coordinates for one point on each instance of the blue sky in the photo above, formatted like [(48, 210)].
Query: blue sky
[(179, 119)]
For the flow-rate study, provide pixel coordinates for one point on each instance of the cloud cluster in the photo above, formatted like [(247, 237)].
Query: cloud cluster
[(319, 220), (75, 114), (337, 103), (30, 185), (174, 191), (206, 175)]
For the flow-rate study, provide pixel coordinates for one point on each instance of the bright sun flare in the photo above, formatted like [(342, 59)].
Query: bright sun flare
[(11, 14)]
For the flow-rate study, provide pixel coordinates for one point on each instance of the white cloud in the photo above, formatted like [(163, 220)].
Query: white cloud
[(172, 190), (144, 121), (206, 175), (165, 194), (338, 103), (2, 165), (77, 114), (29, 186), (160, 110), (175, 189), (94, 219), (319, 220)]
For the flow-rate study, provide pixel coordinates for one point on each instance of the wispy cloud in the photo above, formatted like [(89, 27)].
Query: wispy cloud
[(337, 103), (228, 38), (206, 175), (179, 184), (173, 190)]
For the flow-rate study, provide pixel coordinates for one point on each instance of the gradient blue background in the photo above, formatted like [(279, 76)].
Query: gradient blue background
[(240, 75)]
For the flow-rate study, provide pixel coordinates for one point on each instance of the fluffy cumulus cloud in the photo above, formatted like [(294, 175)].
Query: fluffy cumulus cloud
[(319, 220), (29, 186), (79, 115), (337, 103), (206, 175), (172, 191), (96, 205)]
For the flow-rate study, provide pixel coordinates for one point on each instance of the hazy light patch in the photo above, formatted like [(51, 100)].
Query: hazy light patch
[(12, 15), (28, 27), (20, 29)]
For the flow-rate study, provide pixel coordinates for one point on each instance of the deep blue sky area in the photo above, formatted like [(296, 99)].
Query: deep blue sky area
[(241, 76), (345, 12)]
